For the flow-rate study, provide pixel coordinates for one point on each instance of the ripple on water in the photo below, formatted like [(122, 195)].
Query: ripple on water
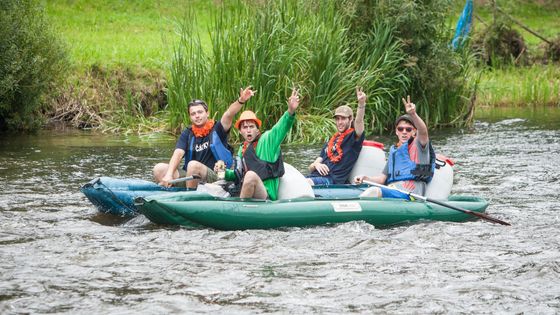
[(59, 255)]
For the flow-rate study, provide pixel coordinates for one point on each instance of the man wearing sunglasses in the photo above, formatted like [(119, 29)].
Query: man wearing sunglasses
[(340, 153), (202, 144), (411, 161)]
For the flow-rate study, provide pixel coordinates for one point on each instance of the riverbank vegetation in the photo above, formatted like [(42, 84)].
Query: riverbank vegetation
[(130, 60), (287, 44), (32, 64), (326, 51), (518, 43)]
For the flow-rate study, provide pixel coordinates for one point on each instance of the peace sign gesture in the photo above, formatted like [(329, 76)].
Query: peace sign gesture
[(361, 96), (293, 101), (409, 106)]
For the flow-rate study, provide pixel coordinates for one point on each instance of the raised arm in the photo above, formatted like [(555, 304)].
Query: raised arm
[(421, 129), (359, 122), (235, 107), (279, 131), (293, 101)]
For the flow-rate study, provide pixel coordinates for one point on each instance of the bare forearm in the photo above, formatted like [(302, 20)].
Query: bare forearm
[(380, 179), (229, 115), (421, 129), (175, 161), (235, 107), (312, 167), (359, 123)]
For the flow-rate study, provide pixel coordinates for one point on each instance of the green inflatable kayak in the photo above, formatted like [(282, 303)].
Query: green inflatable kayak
[(198, 210)]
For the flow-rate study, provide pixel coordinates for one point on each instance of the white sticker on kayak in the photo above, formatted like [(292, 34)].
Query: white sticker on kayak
[(346, 206)]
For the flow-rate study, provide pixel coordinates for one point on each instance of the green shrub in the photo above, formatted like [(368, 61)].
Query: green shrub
[(32, 62), (500, 45), (439, 77)]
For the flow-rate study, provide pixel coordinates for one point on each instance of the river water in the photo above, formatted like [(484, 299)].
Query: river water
[(59, 255)]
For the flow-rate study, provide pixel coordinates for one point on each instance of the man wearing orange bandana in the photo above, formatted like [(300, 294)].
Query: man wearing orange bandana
[(202, 144), (340, 153)]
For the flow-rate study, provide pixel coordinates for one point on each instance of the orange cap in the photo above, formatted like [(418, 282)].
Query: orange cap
[(247, 115)]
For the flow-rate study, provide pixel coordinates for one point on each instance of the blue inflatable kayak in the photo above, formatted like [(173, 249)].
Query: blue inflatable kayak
[(116, 196)]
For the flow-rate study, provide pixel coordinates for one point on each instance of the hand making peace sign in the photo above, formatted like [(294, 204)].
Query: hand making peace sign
[(361, 96), (293, 101), (409, 106)]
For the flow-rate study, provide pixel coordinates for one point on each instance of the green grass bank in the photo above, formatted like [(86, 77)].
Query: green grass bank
[(536, 83), (121, 53)]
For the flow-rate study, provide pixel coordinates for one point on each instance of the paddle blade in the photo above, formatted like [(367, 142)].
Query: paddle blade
[(478, 214), (488, 218)]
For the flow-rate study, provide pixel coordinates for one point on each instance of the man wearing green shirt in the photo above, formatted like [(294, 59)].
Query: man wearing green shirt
[(260, 154)]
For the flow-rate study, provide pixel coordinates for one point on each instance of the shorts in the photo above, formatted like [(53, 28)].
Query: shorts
[(321, 180), (390, 193)]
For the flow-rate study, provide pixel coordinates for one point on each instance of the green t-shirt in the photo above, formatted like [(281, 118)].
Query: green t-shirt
[(268, 149)]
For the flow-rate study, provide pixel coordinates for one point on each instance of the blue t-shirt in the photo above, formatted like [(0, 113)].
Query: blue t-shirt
[(340, 171), (201, 148)]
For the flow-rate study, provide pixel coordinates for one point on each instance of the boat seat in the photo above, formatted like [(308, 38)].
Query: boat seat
[(294, 185)]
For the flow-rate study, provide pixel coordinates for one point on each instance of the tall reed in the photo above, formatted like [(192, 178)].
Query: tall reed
[(189, 67), (277, 45)]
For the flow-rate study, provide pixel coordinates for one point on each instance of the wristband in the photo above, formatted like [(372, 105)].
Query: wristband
[(240, 102)]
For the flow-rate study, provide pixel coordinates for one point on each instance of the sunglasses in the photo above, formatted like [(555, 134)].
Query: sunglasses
[(408, 129)]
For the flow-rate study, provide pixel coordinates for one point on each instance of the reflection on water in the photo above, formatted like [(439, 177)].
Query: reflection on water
[(59, 255)]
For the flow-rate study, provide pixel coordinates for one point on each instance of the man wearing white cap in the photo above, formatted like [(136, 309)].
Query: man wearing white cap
[(339, 155)]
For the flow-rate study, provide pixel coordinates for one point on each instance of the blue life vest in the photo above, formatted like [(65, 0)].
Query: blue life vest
[(400, 167), (219, 150)]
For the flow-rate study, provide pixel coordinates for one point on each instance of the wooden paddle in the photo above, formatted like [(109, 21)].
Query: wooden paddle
[(184, 179), (441, 203)]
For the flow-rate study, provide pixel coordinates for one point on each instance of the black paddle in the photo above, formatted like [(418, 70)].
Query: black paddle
[(184, 179), (441, 203)]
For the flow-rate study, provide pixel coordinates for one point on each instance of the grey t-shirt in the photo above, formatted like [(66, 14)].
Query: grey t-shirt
[(422, 156)]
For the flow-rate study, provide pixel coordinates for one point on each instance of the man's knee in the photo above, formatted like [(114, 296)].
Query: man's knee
[(195, 167), (251, 178), (373, 192), (159, 170)]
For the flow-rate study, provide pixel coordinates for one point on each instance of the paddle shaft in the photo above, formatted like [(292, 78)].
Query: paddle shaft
[(441, 203), (183, 179)]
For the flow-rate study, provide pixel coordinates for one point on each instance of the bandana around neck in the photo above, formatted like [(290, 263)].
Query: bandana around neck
[(336, 143), (203, 131), (246, 144)]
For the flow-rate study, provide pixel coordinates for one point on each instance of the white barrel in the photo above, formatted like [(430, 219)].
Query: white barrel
[(293, 184), (440, 186), (371, 160)]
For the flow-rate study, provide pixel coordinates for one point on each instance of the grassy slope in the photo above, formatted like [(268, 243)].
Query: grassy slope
[(141, 32), (114, 33), (534, 85), (542, 19), (139, 35)]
